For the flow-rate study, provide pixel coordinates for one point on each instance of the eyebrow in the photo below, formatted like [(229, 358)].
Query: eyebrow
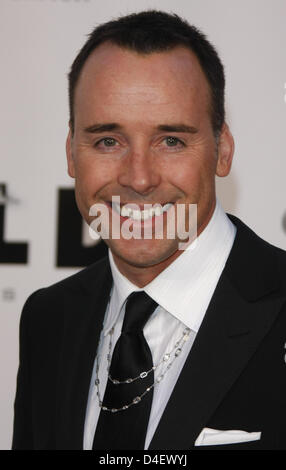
[(98, 128), (178, 128), (113, 126)]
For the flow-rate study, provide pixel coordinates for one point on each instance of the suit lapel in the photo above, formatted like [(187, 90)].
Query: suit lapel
[(85, 306), (241, 312), (219, 354)]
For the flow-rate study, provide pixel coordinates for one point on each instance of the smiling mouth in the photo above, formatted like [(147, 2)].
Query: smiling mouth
[(133, 211)]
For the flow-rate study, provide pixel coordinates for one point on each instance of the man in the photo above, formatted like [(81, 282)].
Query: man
[(155, 347)]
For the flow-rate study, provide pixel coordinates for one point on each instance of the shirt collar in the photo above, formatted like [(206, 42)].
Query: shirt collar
[(186, 276)]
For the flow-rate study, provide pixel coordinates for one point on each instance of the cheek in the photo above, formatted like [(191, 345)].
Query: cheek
[(91, 175), (193, 177), (184, 174)]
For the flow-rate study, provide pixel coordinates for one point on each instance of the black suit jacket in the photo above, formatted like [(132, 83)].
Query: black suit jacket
[(234, 377)]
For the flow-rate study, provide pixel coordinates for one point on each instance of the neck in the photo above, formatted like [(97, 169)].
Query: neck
[(143, 275)]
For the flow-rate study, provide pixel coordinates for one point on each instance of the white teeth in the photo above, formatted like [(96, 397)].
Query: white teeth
[(116, 207), (136, 215), (145, 214), (167, 206), (158, 210), (125, 211)]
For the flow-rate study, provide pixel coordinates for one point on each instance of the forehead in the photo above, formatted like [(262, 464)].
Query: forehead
[(109, 64), (116, 76)]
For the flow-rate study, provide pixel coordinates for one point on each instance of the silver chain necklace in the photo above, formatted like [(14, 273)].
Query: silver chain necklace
[(176, 351)]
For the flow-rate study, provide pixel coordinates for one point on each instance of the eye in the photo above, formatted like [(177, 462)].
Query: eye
[(173, 142), (106, 142)]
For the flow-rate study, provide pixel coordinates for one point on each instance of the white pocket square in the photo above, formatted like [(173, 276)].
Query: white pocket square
[(212, 437)]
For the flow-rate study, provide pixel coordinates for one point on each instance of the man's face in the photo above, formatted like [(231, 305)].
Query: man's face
[(143, 132)]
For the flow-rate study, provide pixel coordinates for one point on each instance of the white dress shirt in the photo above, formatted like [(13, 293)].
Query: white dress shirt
[(183, 292)]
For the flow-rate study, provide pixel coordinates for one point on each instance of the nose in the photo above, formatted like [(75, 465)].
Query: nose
[(139, 172)]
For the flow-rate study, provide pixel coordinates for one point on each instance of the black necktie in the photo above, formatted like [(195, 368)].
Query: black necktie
[(126, 429)]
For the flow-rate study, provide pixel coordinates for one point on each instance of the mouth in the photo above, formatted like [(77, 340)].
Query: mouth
[(140, 212)]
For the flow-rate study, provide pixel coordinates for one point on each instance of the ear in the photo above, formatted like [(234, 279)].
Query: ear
[(69, 154), (225, 151)]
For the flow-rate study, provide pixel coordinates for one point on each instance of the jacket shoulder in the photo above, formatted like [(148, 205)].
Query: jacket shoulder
[(258, 259), (91, 273), (51, 299)]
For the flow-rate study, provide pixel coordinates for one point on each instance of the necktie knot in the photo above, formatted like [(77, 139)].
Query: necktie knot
[(139, 307)]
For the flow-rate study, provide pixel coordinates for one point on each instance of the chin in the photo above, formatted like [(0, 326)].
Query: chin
[(144, 254)]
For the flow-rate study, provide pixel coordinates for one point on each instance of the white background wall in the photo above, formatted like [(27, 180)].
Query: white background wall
[(38, 41)]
